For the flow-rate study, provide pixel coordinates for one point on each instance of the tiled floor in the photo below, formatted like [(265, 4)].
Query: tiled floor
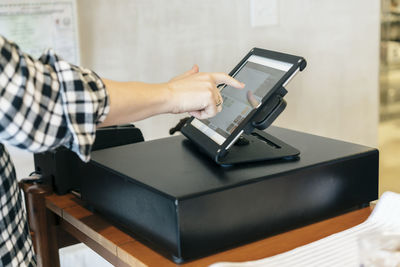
[(389, 147)]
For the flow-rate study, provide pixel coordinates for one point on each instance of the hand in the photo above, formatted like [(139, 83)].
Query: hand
[(192, 92), (252, 99), (197, 93)]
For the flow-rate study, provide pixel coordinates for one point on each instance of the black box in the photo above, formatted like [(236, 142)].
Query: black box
[(187, 206), (61, 168)]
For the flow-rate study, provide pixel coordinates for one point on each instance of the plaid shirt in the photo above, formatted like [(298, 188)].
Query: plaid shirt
[(44, 104)]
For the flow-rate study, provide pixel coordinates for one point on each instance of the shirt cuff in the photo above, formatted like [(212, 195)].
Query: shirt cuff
[(85, 104)]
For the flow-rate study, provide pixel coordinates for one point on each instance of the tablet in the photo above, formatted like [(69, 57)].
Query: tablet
[(264, 73)]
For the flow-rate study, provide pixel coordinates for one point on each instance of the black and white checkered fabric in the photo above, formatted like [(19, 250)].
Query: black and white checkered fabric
[(44, 104)]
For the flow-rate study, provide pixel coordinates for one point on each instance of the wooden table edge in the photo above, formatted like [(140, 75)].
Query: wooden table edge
[(121, 257)]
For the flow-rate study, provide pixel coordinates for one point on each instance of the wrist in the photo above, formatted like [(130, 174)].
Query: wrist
[(170, 93)]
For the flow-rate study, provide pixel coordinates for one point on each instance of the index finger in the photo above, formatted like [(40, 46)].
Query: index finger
[(220, 77)]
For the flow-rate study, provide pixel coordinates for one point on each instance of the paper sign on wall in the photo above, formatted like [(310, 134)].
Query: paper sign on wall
[(40, 24)]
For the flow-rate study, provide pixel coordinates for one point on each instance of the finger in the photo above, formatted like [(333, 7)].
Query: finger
[(199, 114), (210, 110), (193, 70), (202, 115), (195, 114), (219, 108), (205, 114), (219, 98), (220, 77), (252, 100)]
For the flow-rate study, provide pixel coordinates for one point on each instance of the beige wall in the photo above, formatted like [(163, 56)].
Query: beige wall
[(152, 40)]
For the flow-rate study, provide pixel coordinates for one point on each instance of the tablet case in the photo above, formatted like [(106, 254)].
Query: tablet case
[(257, 145)]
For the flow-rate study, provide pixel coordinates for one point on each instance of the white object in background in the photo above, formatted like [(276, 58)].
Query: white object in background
[(23, 162), (41, 24), (80, 255), (263, 13), (340, 249)]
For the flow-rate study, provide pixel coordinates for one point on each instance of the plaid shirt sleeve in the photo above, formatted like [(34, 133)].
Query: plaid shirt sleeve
[(44, 104), (48, 102)]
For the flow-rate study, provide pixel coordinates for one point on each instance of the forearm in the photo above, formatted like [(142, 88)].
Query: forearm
[(134, 101), (191, 92)]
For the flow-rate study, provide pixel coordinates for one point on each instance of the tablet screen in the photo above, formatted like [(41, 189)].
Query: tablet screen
[(260, 76)]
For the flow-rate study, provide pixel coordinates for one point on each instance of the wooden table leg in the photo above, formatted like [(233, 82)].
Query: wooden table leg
[(42, 223)]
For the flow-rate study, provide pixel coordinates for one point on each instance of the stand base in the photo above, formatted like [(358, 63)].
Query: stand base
[(258, 146)]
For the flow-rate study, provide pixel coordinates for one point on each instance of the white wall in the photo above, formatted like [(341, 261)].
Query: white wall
[(153, 40)]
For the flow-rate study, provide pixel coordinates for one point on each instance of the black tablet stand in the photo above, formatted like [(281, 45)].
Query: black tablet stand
[(257, 145)]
